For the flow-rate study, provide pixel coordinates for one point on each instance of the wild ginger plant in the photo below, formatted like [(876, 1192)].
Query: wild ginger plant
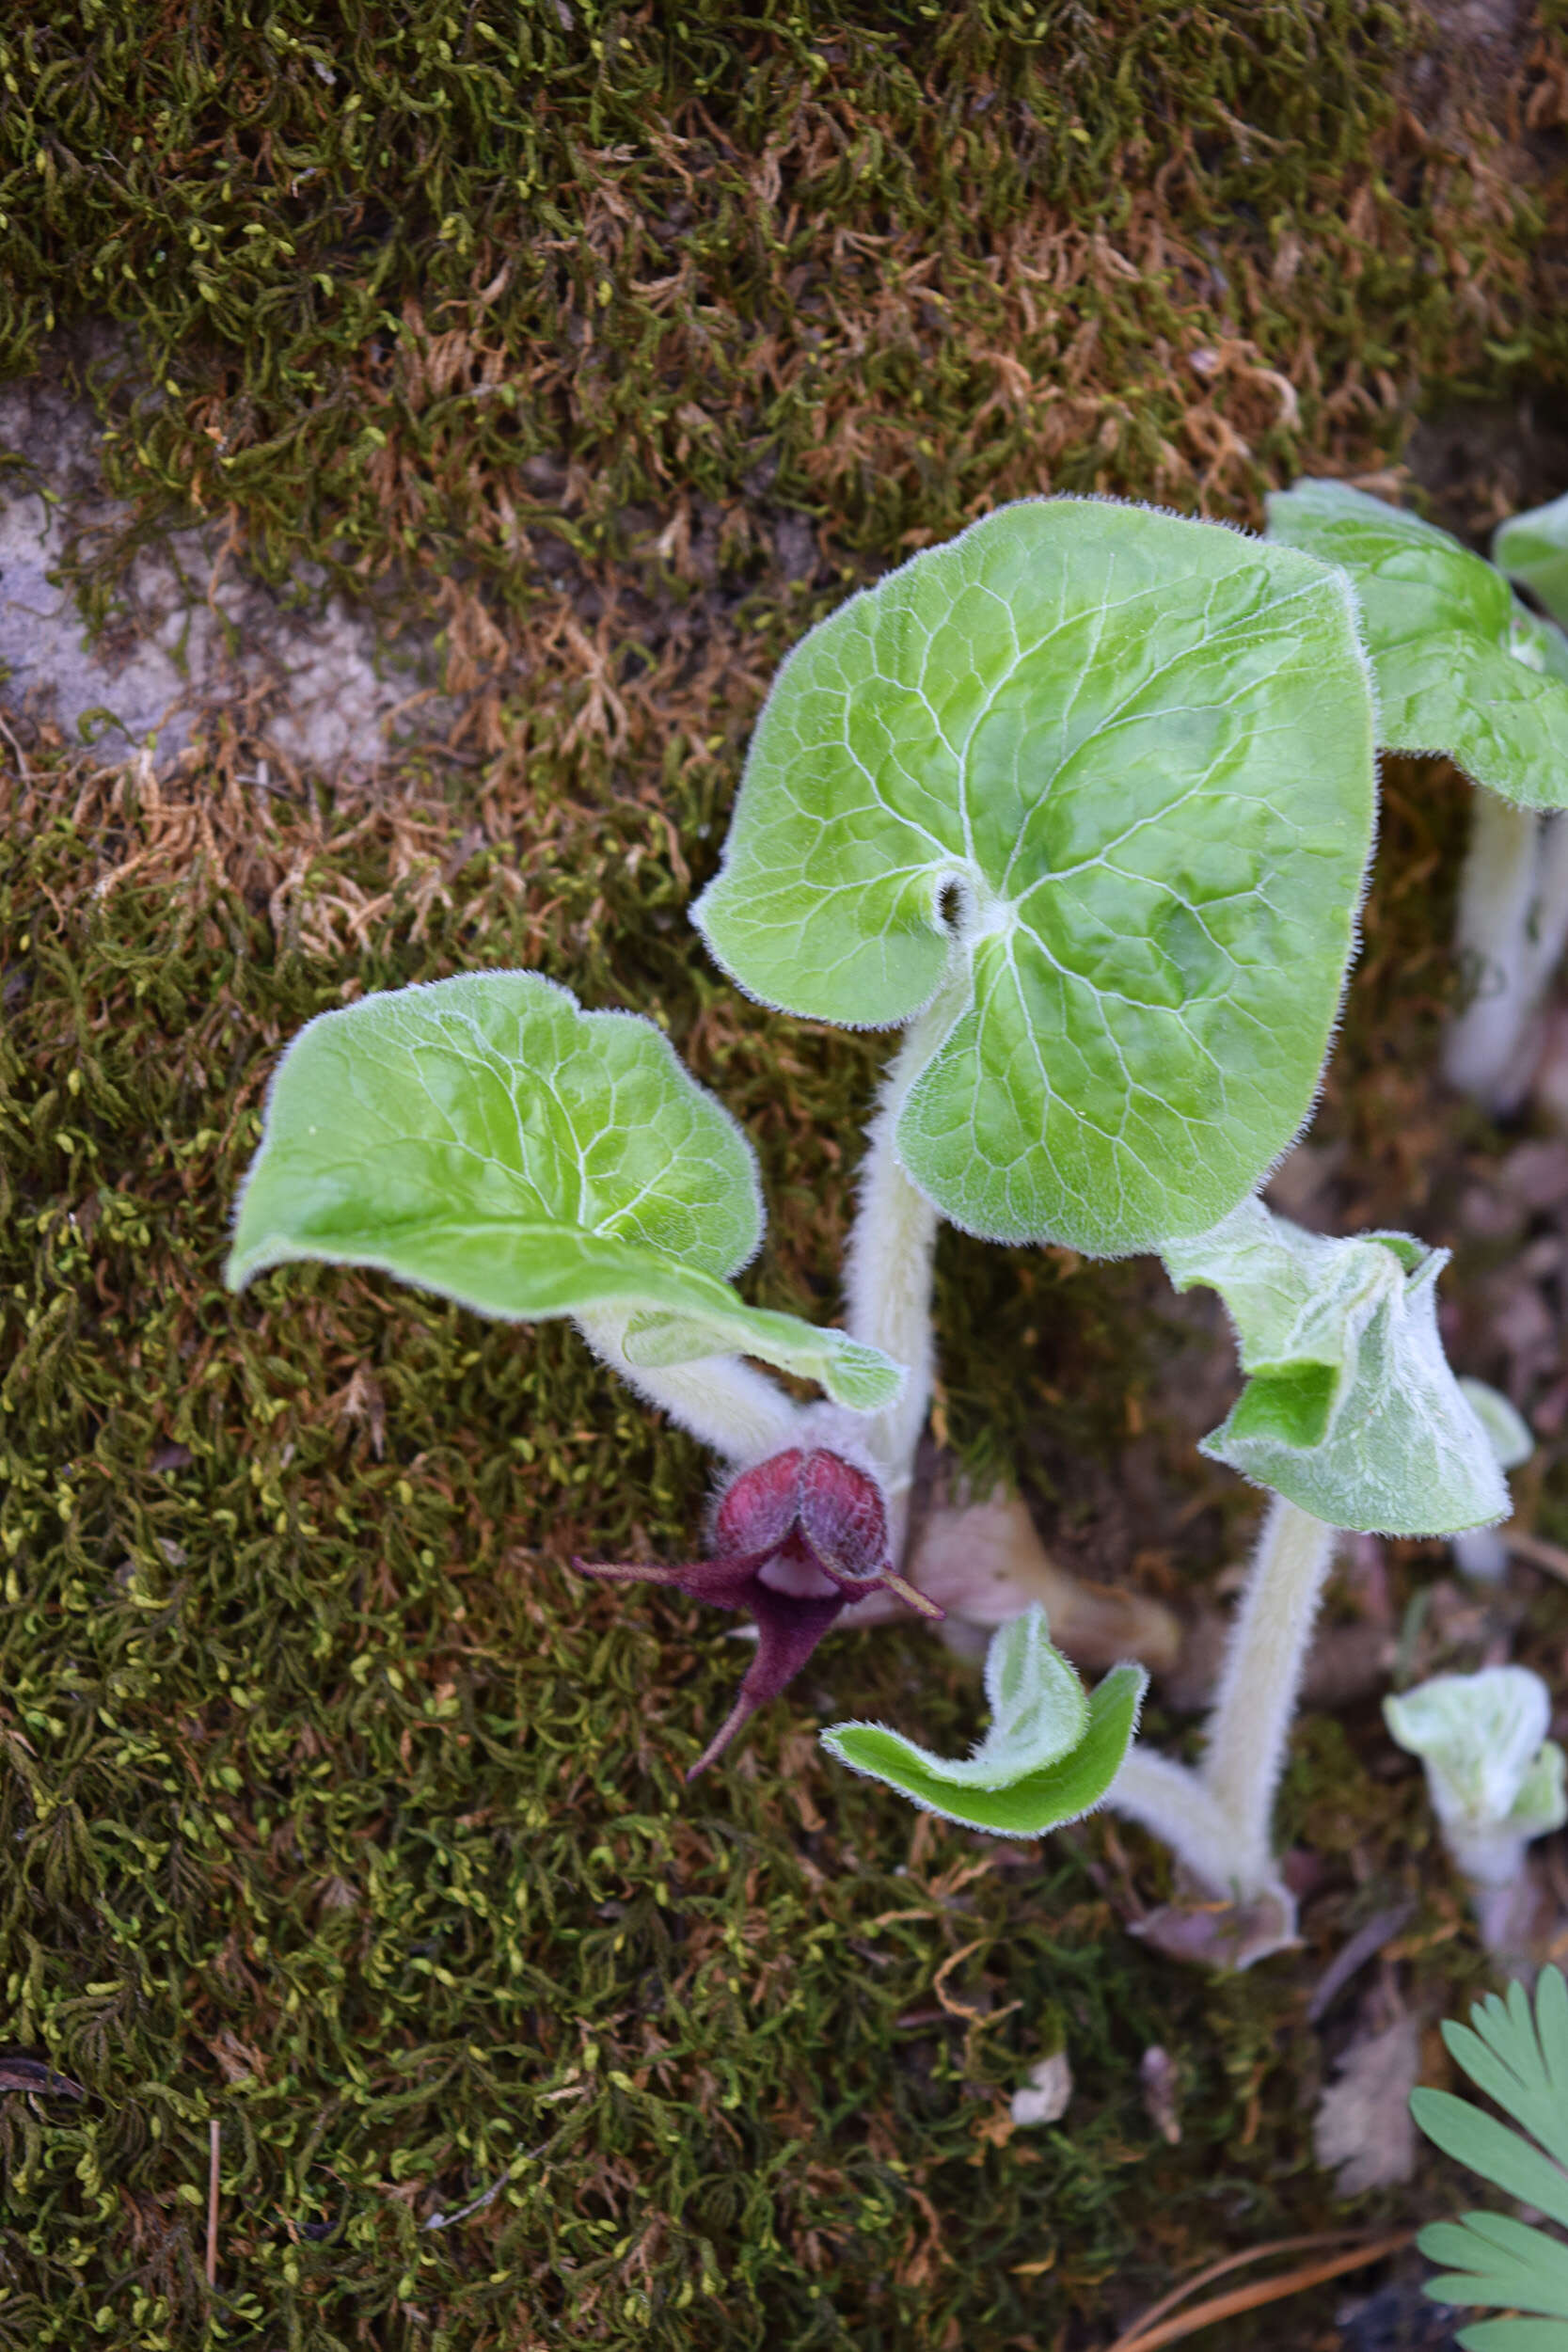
[(1351, 1419), (1464, 668), (485, 1138), (1494, 1779), (1081, 804)]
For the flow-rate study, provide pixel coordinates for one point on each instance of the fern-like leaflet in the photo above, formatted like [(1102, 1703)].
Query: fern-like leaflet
[(1520, 2059)]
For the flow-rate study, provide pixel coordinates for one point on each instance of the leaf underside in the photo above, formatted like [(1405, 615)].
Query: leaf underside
[(485, 1138), (1094, 784), (1050, 1755), (1441, 624), (1349, 1409)]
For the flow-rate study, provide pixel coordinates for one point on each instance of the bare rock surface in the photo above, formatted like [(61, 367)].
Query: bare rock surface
[(327, 684)]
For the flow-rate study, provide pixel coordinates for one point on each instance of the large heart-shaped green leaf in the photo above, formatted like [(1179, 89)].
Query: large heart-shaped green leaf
[(1461, 667), (1049, 1755), (486, 1139), (1095, 784), (1349, 1409)]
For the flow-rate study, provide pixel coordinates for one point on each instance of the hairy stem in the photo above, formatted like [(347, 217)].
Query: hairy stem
[(1173, 1804), (1511, 929), (1493, 1855), (720, 1400), (887, 1282), (1550, 917), (1251, 1717)]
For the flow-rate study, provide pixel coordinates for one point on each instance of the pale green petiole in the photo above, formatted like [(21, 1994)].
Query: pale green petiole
[(887, 1285), (1218, 1819), (1509, 934), (721, 1401)]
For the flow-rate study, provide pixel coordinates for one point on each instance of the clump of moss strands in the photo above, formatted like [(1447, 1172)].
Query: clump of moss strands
[(344, 1831)]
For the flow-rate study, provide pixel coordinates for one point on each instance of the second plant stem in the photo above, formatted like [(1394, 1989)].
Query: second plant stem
[(1511, 929), (1218, 1819)]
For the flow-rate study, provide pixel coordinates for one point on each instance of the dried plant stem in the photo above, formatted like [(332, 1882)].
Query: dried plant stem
[(214, 2136), (1155, 2328), (1536, 1549)]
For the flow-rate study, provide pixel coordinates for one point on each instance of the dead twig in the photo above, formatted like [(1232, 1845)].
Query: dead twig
[(213, 2132), (25, 772), (1537, 1551), (486, 2196), (1154, 2328), (1356, 1954)]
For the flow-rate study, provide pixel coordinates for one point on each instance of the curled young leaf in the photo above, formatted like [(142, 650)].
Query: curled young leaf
[(1507, 1433), (1532, 549), (1483, 1739), (486, 1139), (1349, 1408), (1048, 1756), (1092, 785), (1461, 666), (858, 1377)]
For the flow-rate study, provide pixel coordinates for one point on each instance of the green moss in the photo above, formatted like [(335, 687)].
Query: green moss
[(343, 1814), (428, 281)]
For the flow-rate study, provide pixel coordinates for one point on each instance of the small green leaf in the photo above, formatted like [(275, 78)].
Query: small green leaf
[(1532, 549), (1542, 1803), (1461, 665), (1507, 1433), (1351, 1409), (1049, 1755), (485, 1138), (1504, 2262), (1522, 2060), (1507, 2335), (856, 1375), (1092, 786), (1483, 1739), (1505, 2158)]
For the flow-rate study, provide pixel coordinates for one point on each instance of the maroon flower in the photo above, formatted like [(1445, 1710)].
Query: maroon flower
[(796, 1539)]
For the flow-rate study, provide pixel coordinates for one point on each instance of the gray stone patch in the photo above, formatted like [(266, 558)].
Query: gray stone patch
[(315, 677)]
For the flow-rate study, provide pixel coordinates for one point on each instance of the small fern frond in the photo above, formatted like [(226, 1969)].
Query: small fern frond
[(1520, 2059)]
